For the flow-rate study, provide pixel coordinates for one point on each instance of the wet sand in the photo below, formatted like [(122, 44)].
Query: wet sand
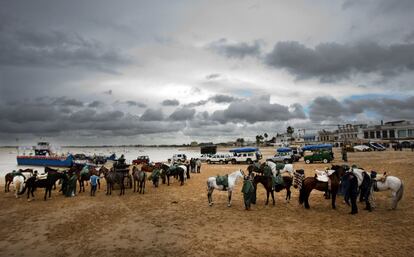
[(177, 221)]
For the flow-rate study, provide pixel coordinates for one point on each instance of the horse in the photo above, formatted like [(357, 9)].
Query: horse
[(212, 184), (266, 181), (9, 177), (18, 182), (310, 183), (139, 177), (113, 177), (390, 183), (173, 170), (52, 176), (82, 177)]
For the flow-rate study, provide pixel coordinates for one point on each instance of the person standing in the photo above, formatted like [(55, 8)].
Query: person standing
[(344, 154), (198, 165), (94, 183), (249, 192)]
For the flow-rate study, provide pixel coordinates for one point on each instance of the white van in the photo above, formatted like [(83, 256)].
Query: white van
[(219, 158)]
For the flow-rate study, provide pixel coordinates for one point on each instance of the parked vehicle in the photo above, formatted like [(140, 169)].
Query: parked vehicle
[(245, 155), (377, 146), (284, 155), (204, 157), (318, 156), (179, 157), (143, 159), (362, 148), (219, 158)]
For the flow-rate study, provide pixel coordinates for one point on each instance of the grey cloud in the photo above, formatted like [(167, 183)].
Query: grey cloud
[(152, 115), (332, 61), (235, 50), (135, 103), (182, 114), (213, 76), (327, 108), (255, 110), (108, 92), (216, 99), (67, 102), (170, 102), (26, 47), (95, 104)]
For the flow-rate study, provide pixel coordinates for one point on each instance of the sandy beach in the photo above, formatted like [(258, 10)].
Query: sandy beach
[(177, 221)]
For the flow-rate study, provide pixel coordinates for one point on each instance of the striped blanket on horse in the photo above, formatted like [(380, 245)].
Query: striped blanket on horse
[(299, 176)]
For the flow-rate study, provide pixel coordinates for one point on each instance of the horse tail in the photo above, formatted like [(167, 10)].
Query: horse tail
[(400, 192)]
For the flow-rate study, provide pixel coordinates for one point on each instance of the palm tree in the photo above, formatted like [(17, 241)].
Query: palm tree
[(290, 130)]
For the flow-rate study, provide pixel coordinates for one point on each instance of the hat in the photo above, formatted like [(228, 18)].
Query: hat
[(373, 174)]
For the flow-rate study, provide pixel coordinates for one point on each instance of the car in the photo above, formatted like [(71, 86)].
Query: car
[(318, 156), (248, 157), (179, 157), (141, 160), (284, 157), (219, 158), (362, 148), (204, 157)]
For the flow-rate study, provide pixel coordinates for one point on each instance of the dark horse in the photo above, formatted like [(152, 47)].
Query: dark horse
[(82, 177), (173, 170), (139, 177), (266, 181), (52, 176), (255, 167), (9, 177), (310, 183), (113, 177)]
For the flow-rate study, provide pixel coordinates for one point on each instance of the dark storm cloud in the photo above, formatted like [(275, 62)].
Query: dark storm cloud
[(108, 92), (216, 99), (213, 76), (170, 102), (152, 115), (135, 103), (255, 110), (235, 50), (328, 108), (95, 104), (332, 61), (23, 46), (64, 101), (182, 114)]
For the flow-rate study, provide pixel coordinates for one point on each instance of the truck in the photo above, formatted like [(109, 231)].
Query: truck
[(283, 155)]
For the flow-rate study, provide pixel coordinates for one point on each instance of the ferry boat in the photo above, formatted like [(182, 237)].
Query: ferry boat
[(43, 156)]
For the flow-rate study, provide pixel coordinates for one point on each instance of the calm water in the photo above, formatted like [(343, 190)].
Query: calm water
[(8, 155)]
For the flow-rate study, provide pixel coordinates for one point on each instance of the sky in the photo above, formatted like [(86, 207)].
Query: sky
[(171, 72)]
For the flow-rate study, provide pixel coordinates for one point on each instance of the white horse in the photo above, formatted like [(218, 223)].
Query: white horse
[(390, 183), (18, 182), (184, 167), (288, 168), (212, 184)]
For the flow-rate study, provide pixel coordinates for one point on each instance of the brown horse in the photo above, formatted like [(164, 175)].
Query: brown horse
[(310, 183), (113, 177), (82, 177), (266, 181)]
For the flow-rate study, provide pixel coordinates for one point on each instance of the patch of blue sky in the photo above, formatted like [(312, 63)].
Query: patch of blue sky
[(374, 96), (244, 93)]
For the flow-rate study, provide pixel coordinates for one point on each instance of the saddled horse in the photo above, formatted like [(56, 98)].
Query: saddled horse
[(113, 177), (310, 183), (52, 176), (139, 177), (390, 183), (173, 170), (212, 184), (266, 181), (276, 167), (86, 177), (8, 178), (18, 182)]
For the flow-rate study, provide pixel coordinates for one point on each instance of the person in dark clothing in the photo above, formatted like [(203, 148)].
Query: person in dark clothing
[(351, 191), (249, 192), (344, 154)]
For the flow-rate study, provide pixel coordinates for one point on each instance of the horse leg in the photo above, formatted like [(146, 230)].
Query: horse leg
[(143, 186), (46, 189), (334, 199), (229, 203), (267, 197), (135, 185), (306, 199), (273, 197), (288, 193), (210, 196)]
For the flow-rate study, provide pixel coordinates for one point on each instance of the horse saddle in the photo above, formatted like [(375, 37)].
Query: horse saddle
[(41, 176), (323, 176), (222, 181)]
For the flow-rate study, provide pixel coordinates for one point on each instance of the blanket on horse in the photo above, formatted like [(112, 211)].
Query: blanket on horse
[(249, 193), (280, 166), (84, 171), (278, 180), (223, 181)]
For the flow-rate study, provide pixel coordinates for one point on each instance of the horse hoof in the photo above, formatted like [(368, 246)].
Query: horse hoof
[(228, 205)]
